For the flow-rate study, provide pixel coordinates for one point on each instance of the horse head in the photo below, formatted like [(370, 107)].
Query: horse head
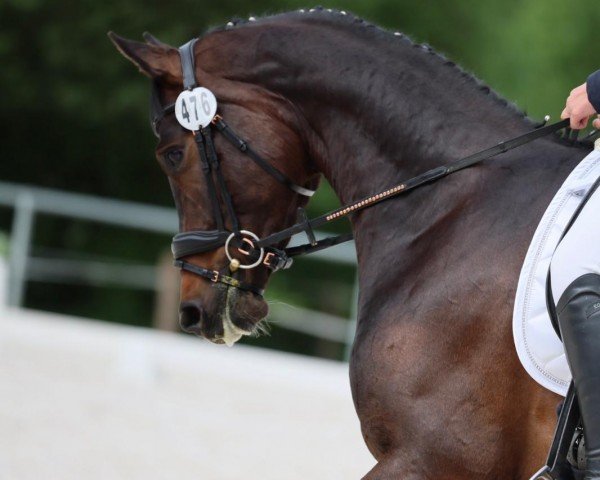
[(246, 197)]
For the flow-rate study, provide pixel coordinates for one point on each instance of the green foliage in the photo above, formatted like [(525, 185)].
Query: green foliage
[(74, 113)]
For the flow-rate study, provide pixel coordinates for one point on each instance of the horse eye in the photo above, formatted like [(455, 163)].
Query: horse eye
[(174, 157)]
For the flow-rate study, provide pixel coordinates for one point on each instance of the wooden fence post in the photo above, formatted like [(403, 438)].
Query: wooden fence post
[(166, 305)]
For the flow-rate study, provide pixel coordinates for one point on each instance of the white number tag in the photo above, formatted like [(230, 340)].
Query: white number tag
[(195, 108)]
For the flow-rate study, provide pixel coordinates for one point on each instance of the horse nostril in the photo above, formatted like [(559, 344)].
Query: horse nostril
[(190, 317)]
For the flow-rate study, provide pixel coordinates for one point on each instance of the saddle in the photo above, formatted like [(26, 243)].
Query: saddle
[(538, 346), (566, 459)]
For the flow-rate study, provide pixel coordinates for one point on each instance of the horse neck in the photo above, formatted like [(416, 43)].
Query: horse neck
[(376, 109), (400, 123), (369, 131), (375, 106)]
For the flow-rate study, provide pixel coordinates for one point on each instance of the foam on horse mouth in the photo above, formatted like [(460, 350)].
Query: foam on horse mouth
[(231, 332)]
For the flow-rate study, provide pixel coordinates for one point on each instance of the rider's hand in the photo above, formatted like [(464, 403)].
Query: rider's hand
[(579, 109)]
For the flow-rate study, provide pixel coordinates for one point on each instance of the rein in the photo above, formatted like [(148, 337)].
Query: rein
[(427, 177), (263, 251)]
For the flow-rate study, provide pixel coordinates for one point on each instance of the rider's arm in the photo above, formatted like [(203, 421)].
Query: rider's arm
[(593, 89)]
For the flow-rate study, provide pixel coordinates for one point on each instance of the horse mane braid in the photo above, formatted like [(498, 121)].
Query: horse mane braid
[(343, 17)]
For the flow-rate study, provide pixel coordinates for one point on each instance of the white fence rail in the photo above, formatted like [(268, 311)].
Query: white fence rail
[(28, 202)]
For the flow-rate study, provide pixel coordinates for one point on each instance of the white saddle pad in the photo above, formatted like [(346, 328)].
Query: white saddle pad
[(539, 348)]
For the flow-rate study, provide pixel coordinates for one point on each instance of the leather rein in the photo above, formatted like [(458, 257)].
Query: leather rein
[(262, 251)]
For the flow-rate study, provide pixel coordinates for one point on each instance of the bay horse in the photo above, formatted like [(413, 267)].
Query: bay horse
[(435, 378)]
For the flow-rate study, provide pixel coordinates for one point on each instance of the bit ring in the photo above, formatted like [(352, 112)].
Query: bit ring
[(252, 236)]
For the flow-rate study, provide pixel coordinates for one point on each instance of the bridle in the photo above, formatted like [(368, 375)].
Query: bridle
[(244, 241), (262, 251)]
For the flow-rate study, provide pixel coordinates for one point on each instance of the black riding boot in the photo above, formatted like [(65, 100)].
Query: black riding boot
[(579, 318)]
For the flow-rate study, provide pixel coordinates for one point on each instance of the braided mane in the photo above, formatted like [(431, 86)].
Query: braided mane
[(349, 20)]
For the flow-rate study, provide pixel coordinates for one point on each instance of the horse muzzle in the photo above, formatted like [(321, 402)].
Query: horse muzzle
[(237, 316)]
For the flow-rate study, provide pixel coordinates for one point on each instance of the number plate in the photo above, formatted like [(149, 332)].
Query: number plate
[(195, 108)]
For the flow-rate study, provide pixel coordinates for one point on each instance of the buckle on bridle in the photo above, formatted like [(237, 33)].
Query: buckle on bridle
[(215, 276), (302, 219), (277, 260), (268, 257), (249, 242)]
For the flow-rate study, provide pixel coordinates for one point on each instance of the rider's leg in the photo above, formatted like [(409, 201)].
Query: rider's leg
[(579, 319), (575, 278)]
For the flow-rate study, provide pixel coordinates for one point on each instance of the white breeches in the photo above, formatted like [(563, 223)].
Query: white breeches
[(579, 251)]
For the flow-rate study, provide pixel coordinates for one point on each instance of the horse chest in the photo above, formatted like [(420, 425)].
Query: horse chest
[(418, 390)]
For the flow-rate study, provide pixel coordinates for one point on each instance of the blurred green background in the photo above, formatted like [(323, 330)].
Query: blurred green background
[(74, 117)]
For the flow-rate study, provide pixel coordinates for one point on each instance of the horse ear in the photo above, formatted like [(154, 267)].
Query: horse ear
[(151, 39), (157, 61)]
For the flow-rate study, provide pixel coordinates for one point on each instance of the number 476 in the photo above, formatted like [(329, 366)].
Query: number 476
[(203, 103)]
